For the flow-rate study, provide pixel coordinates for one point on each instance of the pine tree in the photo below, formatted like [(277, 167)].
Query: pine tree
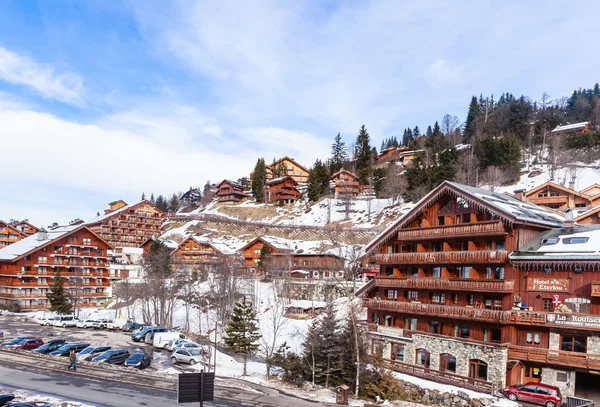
[(143, 196), (416, 132), (174, 203), (362, 155), (429, 132), (161, 203), (152, 200), (318, 181), (59, 301), (259, 180), (471, 122), (331, 348), (264, 255), (97, 213), (339, 155), (242, 332)]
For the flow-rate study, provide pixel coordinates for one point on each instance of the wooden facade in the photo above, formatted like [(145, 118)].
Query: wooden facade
[(557, 197), (9, 234), (283, 190), (125, 225), (306, 261), (286, 166), (444, 273), (25, 227), (252, 251), (347, 184), (591, 217), (230, 191), (79, 254), (193, 252)]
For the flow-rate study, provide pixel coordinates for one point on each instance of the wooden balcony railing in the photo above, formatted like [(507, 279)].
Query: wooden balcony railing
[(22, 295), (457, 284), (487, 228), (549, 199), (596, 289), (462, 257), (555, 357), (440, 376), (447, 311)]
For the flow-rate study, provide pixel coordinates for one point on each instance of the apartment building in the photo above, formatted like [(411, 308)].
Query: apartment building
[(9, 234)]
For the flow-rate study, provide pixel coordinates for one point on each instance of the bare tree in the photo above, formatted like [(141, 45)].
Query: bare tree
[(272, 330), (224, 286), (449, 126), (395, 185), (493, 177)]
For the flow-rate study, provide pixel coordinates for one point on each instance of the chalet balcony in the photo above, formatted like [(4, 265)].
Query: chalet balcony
[(454, 284), (488, 228), (555, 357), (562, 199), (452, 257), (444, 311), (22, 295)]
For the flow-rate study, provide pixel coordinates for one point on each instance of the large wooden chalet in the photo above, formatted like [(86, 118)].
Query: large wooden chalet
[(556, 196), (283, 190), (230, 191), (196, 253), (25, 227), (252, 250), (346, 183), (442, 303), (27, 267), (286, 166), (125, 225), (9, 234)]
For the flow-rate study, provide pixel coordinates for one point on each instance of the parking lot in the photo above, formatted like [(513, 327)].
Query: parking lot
[(116, 339)]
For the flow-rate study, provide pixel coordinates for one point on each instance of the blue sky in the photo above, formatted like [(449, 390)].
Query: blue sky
[(104, 100)]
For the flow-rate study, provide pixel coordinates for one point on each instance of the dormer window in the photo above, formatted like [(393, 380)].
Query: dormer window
[(575, 240), (550, 240)]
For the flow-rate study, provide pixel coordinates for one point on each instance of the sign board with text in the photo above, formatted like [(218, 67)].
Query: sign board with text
[(573, 320), (549, 284)]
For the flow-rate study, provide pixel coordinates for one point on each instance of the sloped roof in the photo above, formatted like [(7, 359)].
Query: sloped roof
[(100, 218), (508, 208), (353, 175), (585, 190), (24, 222), (286, 158), (218, 246), (588, 213), (8, 225), (232, 183), (171, 244), (272, 241), (535, 249), (557, 186), (32, 243), (281, 179), (567, 127)]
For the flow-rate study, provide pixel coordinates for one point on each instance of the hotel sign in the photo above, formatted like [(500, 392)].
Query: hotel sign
[(550, 284), (581, 321)]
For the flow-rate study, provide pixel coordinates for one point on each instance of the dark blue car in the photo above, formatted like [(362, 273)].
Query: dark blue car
[(66, 349)]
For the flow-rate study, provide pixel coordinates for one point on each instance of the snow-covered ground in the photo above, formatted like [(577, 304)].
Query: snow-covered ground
[(26, 396)]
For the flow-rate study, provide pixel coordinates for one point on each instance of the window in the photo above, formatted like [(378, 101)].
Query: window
[(464, 272), (579, 305), (470, 299), (387, 320), (438, 298), (533, 338), (390, 248), (494, 302), (580, 205), (397, 352), (410, 324), (454, 298), (550, 240), (436, 272), (478, 369), (466, 218), (389, 271), (500, 244), (392, 294), (496, 273), (561, 377), (42, 259), (412, 295), (575, 240), (414, 272), (441, 220), (465, 331), (447, 363), (436, 246), (547, 304), (435, 327), (87, 240), (423, 357), (569, 343)]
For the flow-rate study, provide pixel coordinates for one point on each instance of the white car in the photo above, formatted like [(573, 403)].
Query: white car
[(191, 356), (86, 323), (46, 321), (187, 345), (65, 321)]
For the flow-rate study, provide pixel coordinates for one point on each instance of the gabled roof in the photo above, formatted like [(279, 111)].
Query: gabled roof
[(585, 190), (557, 186), (340, 172), (271, 241), (100, 218), (567, 127), (24, 222), (171, 244), (587, 213), (509, 209), (232, 183), (116, 202), (14, 229), (281, 179), (286, 158), (219, 247), (32, 243)]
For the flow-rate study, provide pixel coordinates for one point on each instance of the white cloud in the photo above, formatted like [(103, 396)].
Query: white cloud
[(42, 78)]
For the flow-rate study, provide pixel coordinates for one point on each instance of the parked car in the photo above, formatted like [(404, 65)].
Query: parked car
[(161, 339), (191, 356), (15, 341), (66, 348), (132, 326), (91, 352), (27, 404), (117, 324), (46, 321), (50, 346), (188, 345), (1, 334), (5, 398), (113, 356), (29, 344), (536, 393), (86, 323), (140, 336), (139, 360), (101, 323), (65, 321)]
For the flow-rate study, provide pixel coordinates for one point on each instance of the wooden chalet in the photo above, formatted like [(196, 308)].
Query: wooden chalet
[(590, 217), (194, 252), (291, 168), (147, 245), (230, 191), (27, 267), (25, 227), (557, 339), (251, 251), (125, 225), (441, 305), (283, 190), (346, 183), (582, 127), (592, 190), (9, 234), (556, 196), (306, 261), (400, 155)]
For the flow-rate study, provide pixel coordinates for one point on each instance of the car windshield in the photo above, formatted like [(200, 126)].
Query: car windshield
[(23, 342), (105, 354), (65, 347), (194, 352), (87, 350), (136, 356)]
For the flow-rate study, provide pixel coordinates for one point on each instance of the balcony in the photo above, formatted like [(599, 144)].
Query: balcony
[(544, 200), (454, 284), (555, 357), (460, 258), (444, 311), (488, 228)]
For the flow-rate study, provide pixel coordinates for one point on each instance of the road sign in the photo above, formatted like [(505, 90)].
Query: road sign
[(194, 387)]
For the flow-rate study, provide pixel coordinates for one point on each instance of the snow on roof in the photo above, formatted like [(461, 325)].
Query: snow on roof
[(32, 242), (306, 304), (109, 214), (280, 179), (232, 183), (566, 127), (577, 243)]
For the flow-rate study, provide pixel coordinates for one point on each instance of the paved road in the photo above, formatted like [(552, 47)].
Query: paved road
[(103, 394)]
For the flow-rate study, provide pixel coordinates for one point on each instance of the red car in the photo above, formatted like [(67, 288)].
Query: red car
[(29, 344), (536, 393)]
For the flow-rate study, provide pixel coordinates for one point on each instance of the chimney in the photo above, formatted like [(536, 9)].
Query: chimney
[(520, 194), (42, 235), (569, 222)]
